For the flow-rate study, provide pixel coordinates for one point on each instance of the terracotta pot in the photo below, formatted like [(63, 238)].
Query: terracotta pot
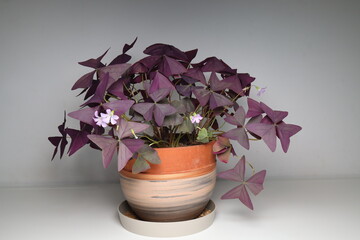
[(177, 189)]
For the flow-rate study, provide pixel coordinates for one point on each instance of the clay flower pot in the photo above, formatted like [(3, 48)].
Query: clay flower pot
[(177, 189)]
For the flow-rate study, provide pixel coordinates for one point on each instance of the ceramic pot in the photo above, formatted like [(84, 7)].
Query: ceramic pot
[(178, 189)]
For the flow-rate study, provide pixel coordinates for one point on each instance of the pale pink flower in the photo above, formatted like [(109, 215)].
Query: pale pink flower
[(196, 118)]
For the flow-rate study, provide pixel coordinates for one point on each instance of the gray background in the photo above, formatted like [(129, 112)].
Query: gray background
[(307, 53)]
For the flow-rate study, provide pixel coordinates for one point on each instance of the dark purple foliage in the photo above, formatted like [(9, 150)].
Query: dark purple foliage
[(166, 100)]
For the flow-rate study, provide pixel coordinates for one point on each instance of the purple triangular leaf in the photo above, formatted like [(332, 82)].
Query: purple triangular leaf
[(127, 148), (255, 182), (266, 131), (160, 82), (254, 108), (241, 193), (119, 106), (235, 174), (78, 140), (94, 63), (117, 89), (107, 145), (150, 61), (55, 141), (145, 109), (85, 81), (196, 75), (127, 47), (202, 95), (245, 79), (126, 128), (191, 54), (91, 90), (216, 84), (162, 110), (114, 71), (217, 100), (284, 131), (275, 116), (85, 115), (160, 49), (100, 91), (122, 58), (170, 66), (239, 134), (238, 118)]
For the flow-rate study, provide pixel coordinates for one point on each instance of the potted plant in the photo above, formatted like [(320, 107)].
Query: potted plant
[(163, 116)]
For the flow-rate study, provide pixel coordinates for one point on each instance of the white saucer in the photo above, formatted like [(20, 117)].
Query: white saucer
[(166, 229)]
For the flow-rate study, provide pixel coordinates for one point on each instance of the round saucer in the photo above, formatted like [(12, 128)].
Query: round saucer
[(165, 229)]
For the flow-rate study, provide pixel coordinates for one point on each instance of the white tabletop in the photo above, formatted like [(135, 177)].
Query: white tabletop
[(286, 209)]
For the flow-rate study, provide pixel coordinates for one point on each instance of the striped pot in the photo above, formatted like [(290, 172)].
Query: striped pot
[(177, 189)]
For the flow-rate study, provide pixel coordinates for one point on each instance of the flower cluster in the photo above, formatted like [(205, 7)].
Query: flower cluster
[(105, 118)]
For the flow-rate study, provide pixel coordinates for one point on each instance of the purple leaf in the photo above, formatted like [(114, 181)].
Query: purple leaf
[(114, 71), (213, 64), (234, 83), (126, 128), (160, 49), (235, 174), (78, 140), (162, 110), (91, 90), (160, 82), (196, 75), (94, 63), (55, 141), (119, 106), (202, 95), (127, 148), (127, 47), (216, 84), (241, 193), (245, 79), (266, 130), (117, 89), (217, 100), (238, 119), (107, 145), (150, 61), (254, 108), (170, 66), (137, 68), (85, 115), (191, 54), (85, 81), (100, 91), (271, 126), (239, 134), (255, 182), (159, 94), (284, 132), (145, 109), (122, 58), (275, 116), (59, 141)]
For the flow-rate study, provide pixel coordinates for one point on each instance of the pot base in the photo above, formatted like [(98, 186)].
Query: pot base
[(165, 229)]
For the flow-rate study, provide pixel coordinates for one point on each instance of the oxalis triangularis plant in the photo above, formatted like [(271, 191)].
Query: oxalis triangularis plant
[(165, 100)]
